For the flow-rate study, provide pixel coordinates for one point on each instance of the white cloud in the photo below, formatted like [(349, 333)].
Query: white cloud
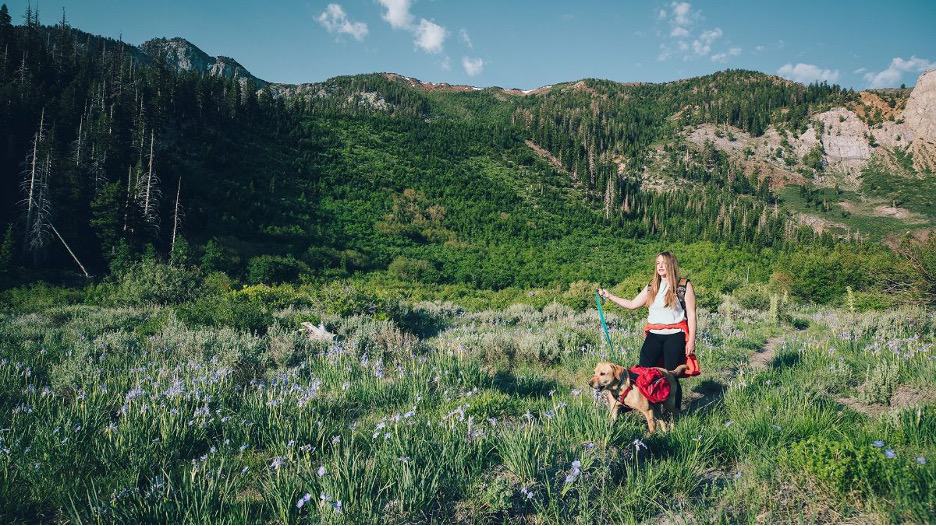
[(723, 57), (681, 13), (703, 44), (473, 66), (429, 36), (681, 17), (892, 76), (859, 71), (335, 20), (398, 13), (465, 38), (807, 73), (446, 63), (679, 32), (759, 48)]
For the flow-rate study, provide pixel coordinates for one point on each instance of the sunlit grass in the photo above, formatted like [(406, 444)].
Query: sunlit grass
[(128, 415)]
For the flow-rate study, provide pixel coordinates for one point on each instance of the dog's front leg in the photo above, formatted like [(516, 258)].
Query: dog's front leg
[(613, 405)]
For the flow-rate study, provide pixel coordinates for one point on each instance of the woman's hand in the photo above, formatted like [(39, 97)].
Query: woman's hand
[(637, 302), (690, 347)]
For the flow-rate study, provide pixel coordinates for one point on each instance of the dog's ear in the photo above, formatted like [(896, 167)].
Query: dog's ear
[(617, 371)]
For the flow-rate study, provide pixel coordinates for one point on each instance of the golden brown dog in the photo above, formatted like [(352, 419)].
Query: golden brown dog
[(613, 379)]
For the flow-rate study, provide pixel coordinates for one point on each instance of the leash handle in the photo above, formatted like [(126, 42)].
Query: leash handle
[(604, 325)]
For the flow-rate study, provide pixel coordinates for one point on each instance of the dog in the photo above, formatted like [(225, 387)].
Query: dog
[(613, 379)]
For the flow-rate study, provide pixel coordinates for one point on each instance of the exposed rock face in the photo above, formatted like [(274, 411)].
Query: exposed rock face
[(848, 142), (845, 140), (229, 68), (920, 118), (185, 56)]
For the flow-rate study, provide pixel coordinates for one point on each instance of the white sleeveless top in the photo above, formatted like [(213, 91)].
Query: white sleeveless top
[(659, 313)]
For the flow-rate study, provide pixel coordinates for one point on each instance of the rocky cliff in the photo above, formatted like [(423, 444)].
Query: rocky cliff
[(849, 136), (185, 56), (920, 118)]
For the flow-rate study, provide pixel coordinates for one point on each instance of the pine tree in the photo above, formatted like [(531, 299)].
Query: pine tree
[(6, 25)]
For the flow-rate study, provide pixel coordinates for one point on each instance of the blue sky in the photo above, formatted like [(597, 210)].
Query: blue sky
[(528, 43)]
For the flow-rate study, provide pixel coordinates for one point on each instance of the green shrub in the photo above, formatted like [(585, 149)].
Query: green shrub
[(343, 299), (149, 281), (36, 297), (837, 464), (820, 277), (216, 257), (274, 269), (799, 324), (232, 310), (491, 404), (753, 296), (580, 295), (408, 269), (491, 497), (871, 300)]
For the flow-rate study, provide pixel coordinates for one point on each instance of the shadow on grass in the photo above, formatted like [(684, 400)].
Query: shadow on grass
[(507, 382), (703, 397), (785, 360)]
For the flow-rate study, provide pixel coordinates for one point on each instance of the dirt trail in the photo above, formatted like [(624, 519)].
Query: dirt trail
[(710, 391), (763, 356)]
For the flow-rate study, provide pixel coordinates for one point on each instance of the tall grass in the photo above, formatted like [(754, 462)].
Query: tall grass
[(131, 414)]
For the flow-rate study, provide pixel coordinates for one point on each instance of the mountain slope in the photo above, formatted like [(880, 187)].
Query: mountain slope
[(134, 146)]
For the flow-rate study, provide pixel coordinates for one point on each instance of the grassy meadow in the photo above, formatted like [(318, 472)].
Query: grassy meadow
[(427, 411)]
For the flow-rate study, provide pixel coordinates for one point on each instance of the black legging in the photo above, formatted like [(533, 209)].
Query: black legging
[(668, 350)]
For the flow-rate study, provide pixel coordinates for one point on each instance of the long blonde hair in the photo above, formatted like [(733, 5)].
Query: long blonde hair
[(672, 278)]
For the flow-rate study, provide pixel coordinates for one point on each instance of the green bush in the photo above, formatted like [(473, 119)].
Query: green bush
[(343, 299), (232, 310), (490, 404), (847, 468), (274, 269), (817, 277), (837, 464), (151, 282), (216, 257), (799, 324), (865, 301), (753, 296), (408, 269), (580, 295), (36, 297)]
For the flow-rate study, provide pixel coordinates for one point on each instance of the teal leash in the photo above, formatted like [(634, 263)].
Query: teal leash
[(604, 325)]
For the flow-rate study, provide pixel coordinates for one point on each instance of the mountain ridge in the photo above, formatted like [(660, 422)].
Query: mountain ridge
[(358, 170), (182, 48)]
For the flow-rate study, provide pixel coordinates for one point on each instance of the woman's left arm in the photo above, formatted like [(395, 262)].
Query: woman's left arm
[(690, 318)]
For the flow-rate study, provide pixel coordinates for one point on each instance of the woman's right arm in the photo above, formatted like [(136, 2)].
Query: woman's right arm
[(639, 301)]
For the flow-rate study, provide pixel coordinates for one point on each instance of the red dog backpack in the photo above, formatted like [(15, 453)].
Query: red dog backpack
[(652, 383)]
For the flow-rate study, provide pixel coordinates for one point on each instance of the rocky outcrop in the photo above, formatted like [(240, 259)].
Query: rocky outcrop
[(920, 118), (182, 55), (845, 140)]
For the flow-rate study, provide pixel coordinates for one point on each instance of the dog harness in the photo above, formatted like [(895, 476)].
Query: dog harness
[(650, 381)]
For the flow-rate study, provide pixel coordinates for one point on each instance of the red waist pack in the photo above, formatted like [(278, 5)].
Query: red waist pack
[(692, 363)]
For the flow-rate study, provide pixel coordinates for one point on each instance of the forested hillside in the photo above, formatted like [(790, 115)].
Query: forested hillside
[(111, 151)]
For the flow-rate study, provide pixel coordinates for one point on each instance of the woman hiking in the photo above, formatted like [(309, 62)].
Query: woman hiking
[(671, 322)]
